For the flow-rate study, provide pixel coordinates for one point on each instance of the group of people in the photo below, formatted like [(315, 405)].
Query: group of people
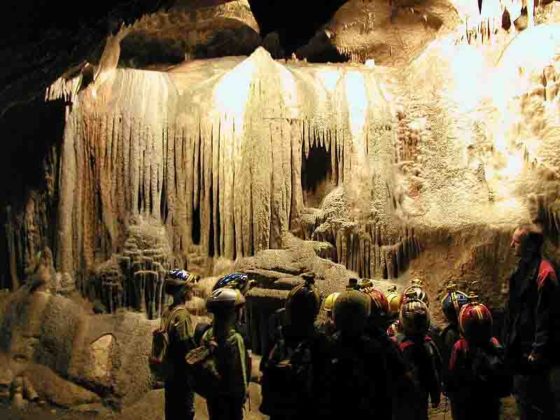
[(369, 354)]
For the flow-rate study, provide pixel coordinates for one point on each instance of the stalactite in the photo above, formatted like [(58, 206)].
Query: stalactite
[(240, 174)]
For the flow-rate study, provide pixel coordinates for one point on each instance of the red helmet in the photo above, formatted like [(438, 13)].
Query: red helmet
[(379, 302), (475, 321)]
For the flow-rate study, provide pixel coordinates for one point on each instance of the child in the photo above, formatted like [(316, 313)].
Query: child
[(232, 359), (327, 325), (451, 304), (477, 378), (423, 361)]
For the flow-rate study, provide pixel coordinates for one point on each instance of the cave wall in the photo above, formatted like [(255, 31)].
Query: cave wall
[(222, 176)]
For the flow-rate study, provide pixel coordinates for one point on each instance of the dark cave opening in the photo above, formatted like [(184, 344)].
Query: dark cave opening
[(295, 22), (32, 134), (317, 178)]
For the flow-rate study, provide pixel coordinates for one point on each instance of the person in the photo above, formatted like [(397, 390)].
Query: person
[(532, 327), (477, 378), (327, 325), (355, 382), (179, 396), (415, 291), (232, 359), (241, 282), (398, 375), (423, 361), (288, 369), (451, 304)]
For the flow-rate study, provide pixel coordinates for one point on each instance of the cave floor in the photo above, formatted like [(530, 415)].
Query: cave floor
[(151, 407)]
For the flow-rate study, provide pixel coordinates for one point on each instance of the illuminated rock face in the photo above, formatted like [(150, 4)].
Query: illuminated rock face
[(277, 168), (223, 157), (215, 154)]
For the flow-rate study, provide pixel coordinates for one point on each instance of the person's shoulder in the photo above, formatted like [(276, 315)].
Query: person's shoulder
[(547, 274), (461, 345), (180, 313)]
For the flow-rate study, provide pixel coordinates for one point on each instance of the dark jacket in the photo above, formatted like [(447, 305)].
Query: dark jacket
[(476, 380), (356, 383), (448, 337), (532, 323), (424, 362), (291, 394)]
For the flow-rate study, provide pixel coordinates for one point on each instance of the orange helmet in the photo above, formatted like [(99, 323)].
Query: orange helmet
[(379, 302)]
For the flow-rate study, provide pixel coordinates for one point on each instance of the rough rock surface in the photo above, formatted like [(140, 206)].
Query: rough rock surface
[(191, 30), (277, 168)]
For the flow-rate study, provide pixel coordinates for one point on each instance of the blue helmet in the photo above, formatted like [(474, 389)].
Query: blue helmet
[(179, 280), (452, 303), (238, 281)]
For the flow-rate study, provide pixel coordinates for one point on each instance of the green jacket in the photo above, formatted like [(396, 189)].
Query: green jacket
[(233, 362), (181, 337)]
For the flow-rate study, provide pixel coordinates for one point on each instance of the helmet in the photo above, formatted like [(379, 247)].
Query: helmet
[(416, 291), (328, 305), (414, 317), (179, 280), (452, 303), (394, 299), (224, 299), (379, 303), (303, 302), (475, 321), (352, 284), (351, 311), (364, 284), (239, 281)]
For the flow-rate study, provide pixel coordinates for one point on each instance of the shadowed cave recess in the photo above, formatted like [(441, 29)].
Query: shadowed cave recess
[(275, 138)]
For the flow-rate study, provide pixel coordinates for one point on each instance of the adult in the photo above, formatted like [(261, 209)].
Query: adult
[(532, 328)]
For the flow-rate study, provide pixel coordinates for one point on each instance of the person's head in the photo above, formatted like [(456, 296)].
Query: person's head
[(414, 316), (353, 283), (475, 322), (329, 303), (395, 300), (527, 241), (379, 306), (224, 304), (179, 284), (452, 303), (303, 303), (239, 281), (351, 312), (416, 291)]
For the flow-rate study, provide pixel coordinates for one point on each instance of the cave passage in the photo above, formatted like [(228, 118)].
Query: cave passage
[(316, 176)]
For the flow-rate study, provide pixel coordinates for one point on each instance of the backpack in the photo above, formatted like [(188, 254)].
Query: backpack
[(489, 370), (287, 377), (159, 362), (203, 368)]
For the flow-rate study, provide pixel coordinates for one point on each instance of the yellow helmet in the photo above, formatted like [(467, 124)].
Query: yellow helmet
[(395, 300), (329, 301)]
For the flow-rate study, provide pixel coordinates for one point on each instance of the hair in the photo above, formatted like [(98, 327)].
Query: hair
[(532, 236)]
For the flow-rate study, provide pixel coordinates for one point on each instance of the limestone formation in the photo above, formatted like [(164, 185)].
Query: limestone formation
[(432, 134)]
